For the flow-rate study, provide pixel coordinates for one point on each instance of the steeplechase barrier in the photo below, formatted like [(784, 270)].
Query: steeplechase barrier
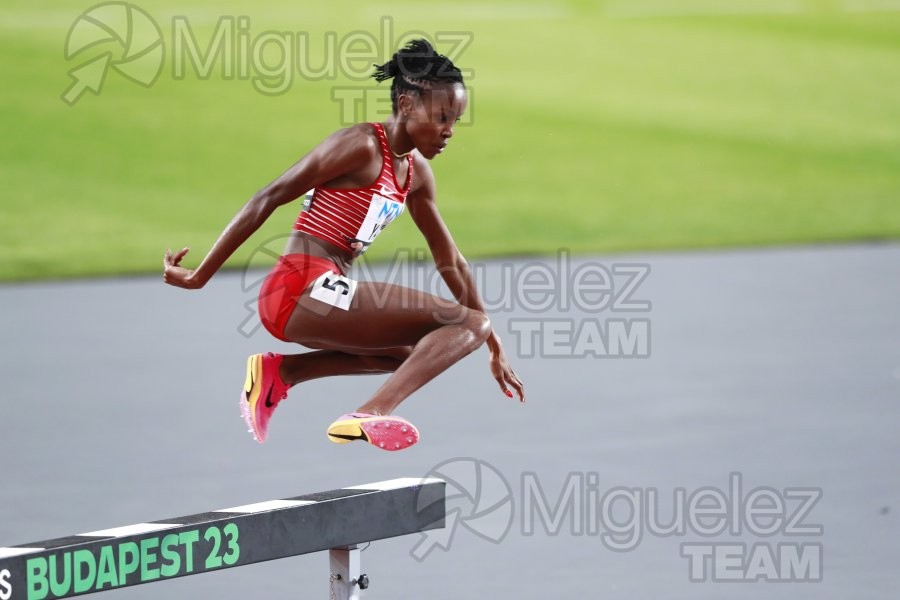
[(338, 521)]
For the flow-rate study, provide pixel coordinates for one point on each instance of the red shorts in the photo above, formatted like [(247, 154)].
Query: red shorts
[(283, 287)]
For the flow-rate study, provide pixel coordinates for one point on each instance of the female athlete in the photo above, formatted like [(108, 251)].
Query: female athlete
[(362, 178)]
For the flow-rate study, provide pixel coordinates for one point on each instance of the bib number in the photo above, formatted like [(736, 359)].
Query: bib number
[(380, 214), (334, 290)]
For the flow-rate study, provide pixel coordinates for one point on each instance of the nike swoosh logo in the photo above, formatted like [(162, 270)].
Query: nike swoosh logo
[(350, 437), (269, 398), (250, 391), (387, 192)]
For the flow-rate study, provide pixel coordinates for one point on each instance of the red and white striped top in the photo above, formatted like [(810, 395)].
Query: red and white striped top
[(344, 216)]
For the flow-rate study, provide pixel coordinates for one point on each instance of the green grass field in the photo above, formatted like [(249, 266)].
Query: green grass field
[(595, 126)]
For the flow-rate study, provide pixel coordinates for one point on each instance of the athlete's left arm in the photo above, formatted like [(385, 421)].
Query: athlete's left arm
[(453, 267)]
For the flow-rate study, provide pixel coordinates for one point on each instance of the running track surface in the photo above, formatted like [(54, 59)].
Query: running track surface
[(782, 365)]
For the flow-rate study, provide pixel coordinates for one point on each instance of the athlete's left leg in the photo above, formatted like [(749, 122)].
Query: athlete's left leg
[(298, 368)]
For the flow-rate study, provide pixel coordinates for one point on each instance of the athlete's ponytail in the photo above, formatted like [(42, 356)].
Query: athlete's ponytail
[(416, 68)]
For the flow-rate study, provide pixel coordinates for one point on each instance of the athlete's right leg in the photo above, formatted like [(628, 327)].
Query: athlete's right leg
[(384, 316)]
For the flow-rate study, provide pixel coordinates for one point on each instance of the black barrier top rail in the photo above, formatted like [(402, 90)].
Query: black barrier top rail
[(100, 561)]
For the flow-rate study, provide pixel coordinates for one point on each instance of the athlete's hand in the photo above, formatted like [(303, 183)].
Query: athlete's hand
[(503, 373), (173, 274)]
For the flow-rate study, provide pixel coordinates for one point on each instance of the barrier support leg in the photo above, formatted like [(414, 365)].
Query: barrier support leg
[(346, 579)]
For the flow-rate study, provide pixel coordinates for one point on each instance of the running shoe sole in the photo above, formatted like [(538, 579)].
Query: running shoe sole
[(384, 432)]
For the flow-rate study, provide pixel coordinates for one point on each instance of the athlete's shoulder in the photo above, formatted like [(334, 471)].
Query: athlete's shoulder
[(358, 137), (353, 146)]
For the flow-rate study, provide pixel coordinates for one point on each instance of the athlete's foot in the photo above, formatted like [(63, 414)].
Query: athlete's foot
[(263, 390), (382, 431)]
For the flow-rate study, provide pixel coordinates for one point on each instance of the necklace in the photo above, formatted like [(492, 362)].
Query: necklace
[(392, 150)]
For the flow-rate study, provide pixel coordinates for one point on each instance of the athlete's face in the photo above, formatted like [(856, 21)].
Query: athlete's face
[(431, 117)]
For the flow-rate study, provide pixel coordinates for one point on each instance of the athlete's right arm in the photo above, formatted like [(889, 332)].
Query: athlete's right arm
[(344, 152)]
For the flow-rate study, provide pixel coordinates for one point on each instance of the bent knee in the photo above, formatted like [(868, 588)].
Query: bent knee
[(479, 325)]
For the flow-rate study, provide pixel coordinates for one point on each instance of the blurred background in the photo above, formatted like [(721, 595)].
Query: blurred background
[(598, 126), (746, 152)]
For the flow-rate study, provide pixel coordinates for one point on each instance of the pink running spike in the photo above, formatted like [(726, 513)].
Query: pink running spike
[(382, 431), (263, 390)]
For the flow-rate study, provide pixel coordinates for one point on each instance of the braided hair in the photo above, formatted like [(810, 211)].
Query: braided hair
[(417, 67)]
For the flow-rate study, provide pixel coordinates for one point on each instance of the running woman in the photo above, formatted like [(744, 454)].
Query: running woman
[(359, 179)]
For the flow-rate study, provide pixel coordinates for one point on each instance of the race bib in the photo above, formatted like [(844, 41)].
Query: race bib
[(334, 290), (381, 212)]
